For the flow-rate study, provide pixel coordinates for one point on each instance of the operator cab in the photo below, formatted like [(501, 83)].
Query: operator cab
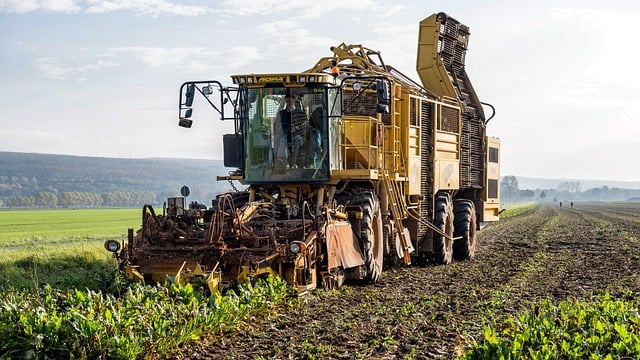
[(289, 120), (288, 127), (285, 134)]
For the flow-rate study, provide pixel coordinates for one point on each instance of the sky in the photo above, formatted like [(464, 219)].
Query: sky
[(101, 78)]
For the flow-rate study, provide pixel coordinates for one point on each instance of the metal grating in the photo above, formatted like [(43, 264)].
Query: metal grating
[(454, 38), (449, 120), (426, 185), (413, 116), (364, 105), (471, 152)]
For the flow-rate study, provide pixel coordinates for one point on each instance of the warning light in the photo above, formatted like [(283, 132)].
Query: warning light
[(334, 68)]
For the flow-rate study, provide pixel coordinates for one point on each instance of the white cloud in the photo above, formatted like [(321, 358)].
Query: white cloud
[(53, 68), (242, 56), (302, 8), (101, 64), (145, 7), (18, 6), (279, 27), (50, 68), (25, 6), (157, 56), (63, 6), (194, 59)]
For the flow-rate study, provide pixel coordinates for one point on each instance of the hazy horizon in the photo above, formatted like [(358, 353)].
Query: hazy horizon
[(631, 184)]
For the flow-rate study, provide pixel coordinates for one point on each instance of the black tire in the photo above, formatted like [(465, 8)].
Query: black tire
[(371, 236), (464, 226), (443, 220)]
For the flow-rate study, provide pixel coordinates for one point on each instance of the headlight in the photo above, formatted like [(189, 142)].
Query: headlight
[(112, 245), (296, 247)]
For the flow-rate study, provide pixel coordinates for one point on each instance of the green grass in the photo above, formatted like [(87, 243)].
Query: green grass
[(63, 248), (32, 227), (63, 266), (516, 209)]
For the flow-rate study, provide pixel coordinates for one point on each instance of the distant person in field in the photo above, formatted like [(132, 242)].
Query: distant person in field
[(560, 203), (572, 204)]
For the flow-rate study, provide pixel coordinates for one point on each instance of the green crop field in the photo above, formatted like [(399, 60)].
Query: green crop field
[(60, 247), (32, 227)]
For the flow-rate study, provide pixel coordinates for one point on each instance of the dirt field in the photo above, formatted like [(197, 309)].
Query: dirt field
[(429, 312)]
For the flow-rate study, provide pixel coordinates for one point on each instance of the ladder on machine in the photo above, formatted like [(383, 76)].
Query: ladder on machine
[(399, 210)]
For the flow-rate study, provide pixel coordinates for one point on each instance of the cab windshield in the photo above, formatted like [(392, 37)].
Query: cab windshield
[(288, 133)]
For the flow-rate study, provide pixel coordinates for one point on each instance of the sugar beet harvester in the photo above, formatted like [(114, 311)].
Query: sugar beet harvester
[(347, 165)]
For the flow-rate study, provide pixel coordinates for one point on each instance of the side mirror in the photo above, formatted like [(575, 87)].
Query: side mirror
[(384, 98), (189, 94), (185, 123), (382, 87)]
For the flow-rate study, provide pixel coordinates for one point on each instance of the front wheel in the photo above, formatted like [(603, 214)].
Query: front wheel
[(371, 236)]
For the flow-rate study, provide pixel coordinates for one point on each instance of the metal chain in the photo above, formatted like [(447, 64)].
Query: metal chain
[(233, 186)]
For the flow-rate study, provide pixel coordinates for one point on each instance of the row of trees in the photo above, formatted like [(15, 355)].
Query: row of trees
[(568, 190), (74, 199)]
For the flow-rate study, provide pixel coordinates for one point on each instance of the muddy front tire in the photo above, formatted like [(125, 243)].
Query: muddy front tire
[(371, 236), (443, 220), (464, 227)]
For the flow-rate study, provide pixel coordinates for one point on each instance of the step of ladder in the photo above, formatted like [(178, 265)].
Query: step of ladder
[(399, 211)]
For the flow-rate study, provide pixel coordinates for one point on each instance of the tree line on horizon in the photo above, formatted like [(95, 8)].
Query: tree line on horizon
[(54, 181), (77, 199), (567, 190), (63, 181), (509, 193)]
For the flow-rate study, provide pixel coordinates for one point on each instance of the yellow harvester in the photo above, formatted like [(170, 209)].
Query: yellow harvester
[(346, 166)]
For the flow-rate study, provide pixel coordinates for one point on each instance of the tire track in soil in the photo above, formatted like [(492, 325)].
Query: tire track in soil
[(424, 312)]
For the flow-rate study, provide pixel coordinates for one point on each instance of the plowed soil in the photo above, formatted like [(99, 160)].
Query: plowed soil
[(432, 311)]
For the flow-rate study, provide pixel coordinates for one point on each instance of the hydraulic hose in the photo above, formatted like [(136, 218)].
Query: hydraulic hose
[(493, 111)]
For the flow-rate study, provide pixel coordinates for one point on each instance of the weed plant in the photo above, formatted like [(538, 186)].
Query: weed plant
[(603, 328)]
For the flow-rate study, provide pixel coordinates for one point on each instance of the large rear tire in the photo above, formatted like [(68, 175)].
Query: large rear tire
[(371, 236), (464, 226), (443, 220)]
